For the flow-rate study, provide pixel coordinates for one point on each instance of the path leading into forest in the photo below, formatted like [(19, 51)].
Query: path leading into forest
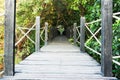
[(59, 60)]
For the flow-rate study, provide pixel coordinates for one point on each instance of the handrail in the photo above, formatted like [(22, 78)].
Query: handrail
[(24, 35), (115, 15), (93, 34), (93, 50), (116, 62), (42, 34), (98, 20), (23, 28), (116, 57), (77, 34)]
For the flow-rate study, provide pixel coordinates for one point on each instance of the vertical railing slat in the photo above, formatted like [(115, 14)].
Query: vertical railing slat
[(82, 32), (74, 32), (37, 40), (106, 58), (9, 43), (46, 33)]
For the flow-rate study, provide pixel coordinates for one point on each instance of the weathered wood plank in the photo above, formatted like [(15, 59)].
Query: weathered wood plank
[(106, 59), (58, 75), (9, 46), (37, 40), (58, 71), (43, 67), (55, 78), (82, 32)]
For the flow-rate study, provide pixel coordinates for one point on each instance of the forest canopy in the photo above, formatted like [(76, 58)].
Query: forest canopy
[(54, 11)]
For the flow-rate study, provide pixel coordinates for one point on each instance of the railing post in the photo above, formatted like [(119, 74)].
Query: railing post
[(37, 40), (82, 32), (74, 32), (46, 33), (9, 41), (106, 58)]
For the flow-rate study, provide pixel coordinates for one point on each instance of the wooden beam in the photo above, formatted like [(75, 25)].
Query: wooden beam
[(46, 33), (82, 32), (9, 43), (106, 58), (74, 32), (37, 40)]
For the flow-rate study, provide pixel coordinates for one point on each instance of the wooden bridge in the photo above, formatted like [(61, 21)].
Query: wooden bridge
[(59, 60)]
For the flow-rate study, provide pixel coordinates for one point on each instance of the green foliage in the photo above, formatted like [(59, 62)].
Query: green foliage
[(116, 38), (94, 15), (1, 60), (78, 4), (94, 12), (66, 12), (116, 5), (61, 12), (60, 29), (71, 40), (1, 39), (116, 46), (93, 42), (1, 34), (116, 70)]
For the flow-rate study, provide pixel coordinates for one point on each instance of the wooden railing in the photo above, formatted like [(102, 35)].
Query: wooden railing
[(78, 33), (38, 35), (93, 35)]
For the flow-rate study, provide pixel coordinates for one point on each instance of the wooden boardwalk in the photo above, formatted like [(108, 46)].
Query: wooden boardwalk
[(59, 60)]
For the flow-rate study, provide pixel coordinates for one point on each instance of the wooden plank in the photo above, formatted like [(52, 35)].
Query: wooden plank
[(63, 78), (55, 59), (44, 67), (106, 59), (58, 75), (82, 63), (59, 71), (9, 48), (82, 32), (37, 40), (51, 59), (95, 76)]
